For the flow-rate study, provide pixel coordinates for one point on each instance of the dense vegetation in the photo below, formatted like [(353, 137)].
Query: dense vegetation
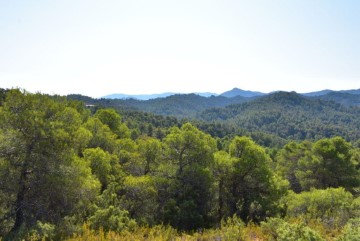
[(74, 172), (291, 116), (346, 99), (179, 105), (285, 115)]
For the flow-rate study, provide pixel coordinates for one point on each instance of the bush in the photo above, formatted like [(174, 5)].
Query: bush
[(111, 218), (332, 206), (351, 231), (282, 230)]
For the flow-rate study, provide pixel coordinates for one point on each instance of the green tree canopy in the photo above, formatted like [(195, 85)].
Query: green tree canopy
[(255, 187), (41, 175), (190, 154)]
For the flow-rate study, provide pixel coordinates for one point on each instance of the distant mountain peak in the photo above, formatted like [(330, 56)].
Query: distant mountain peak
[(285, 97), (245, 93)]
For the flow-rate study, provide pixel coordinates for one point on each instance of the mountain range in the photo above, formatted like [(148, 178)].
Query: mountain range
[(239, 92), (287, 115), (231, 93), (190, 105), (153, 96)]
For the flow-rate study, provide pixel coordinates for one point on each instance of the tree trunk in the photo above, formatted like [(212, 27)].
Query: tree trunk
[(20, 197), (245, 210), (19, 207), (221, 205)]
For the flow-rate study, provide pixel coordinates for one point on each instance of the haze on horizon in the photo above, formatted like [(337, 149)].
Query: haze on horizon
[(97, 48)]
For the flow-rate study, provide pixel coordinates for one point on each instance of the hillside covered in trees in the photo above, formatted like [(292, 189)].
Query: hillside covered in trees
[(291, 116), (179, 105), (73, 170), (286, 115)]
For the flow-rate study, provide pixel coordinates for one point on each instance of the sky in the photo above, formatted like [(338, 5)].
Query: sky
[(96, 48)]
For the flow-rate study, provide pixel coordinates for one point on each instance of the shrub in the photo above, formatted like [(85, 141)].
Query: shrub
[(332, 206), (282, 230)]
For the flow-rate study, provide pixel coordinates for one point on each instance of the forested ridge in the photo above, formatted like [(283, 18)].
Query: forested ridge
[(79, 170), (179, 105), (286, 115), (346, 99), (291, 116)]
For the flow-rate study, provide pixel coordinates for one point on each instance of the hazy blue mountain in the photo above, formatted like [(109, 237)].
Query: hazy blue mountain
[(180, 105), (188, 105), (138, 97), (239, 92), (231, 93), (327, 91), (344, 98), (353, 92), (317, 93), (153, 96), (206, 94)]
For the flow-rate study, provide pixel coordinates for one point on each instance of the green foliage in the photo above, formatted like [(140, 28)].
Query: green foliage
[(96, 174), (102, 136), (232, 228), (283, 115), (110, 118), (190, 153), (290, 116), (42, 231), (150, 150), (346, 99), (288, 160), (2, 95), (179, 105), (188, 145), (326, 163), (255, 187), (111, 218), (156, 233), (351, 231), (284, 231), (47, 181), (332, 206), (336, 166), (224, 175), (100, 163), (129, 157), (140, 199)]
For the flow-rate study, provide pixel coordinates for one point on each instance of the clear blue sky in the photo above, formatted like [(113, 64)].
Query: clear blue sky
[(98, 47)]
